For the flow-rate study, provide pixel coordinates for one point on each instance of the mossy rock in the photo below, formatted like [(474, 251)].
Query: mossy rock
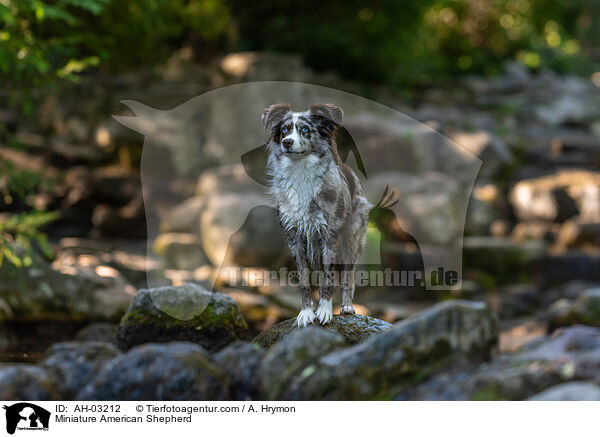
[(185, 313), (293, 355), (353, 328), (381, 366), (176, 371)]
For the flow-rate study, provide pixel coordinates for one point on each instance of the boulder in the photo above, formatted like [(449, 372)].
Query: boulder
[(501, 259), (570, 391), (58, 292), (24, 382), (572, 265), (292, 354), (378, 367), (257, 241), (185, 313), (242, 361), (181, 251), (103, 332), (429, 204), (185, 217), (558, 196), (72, 365), (177, 371), (353, 329), (253, 66), (488, 147), (583, 310), (393, 144), (569, 354), (514, 300)]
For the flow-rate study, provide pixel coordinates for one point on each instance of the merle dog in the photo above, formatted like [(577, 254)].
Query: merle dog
[(321, 204)]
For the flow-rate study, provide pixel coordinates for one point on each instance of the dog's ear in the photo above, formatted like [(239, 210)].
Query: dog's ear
[(328, 116), (275, 113)]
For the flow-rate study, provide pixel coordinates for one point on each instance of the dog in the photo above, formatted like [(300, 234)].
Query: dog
[(320, 201)]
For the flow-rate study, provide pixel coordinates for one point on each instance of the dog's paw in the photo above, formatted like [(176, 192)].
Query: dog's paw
[(347, 310), (325, 311), (305, 317)]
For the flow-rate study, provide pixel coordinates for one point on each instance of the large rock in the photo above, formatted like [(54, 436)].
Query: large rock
[(185, 217), (185, 313), (500, 259), (73, 364), (258, 241), (393, 144), (492, 150), (570, 391), (181, 251), (159, 372), (569, 354), (24, 382), (45, 292), (430, 204), (242, 362), (103, 332), (353, 329), (557, 197), (379, 366), (291, 355), (583, 310), (252, 66)]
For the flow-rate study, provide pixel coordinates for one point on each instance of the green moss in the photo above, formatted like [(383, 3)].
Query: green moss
[(488, 393)]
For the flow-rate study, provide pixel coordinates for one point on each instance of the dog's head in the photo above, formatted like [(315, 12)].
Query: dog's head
[(299, 134)]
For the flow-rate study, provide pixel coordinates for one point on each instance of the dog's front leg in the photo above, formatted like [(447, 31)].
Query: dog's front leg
[(306, 315), (325, 309)]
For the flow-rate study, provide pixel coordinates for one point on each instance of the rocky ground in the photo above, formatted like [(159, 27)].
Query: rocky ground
[(524, 324)]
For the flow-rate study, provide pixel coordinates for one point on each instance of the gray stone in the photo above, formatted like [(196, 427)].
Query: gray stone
[(57, 292), (292, 354), (583, 310), (569, 391), (569, 354), (258, 241), (185, 217), (501, 259), (72, 365), (557, 197), (176, 371), (103, 332), (242, 361), (24, 382), (185, 313), (181, 251), (378, 367), (353, 329)]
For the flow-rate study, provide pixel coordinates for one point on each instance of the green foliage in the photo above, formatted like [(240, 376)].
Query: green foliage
[(19, 232), (425, 41), (39, 43), (45, 43)]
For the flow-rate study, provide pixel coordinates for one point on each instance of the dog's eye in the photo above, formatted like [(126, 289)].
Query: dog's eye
[(304, 129), (284, 130)]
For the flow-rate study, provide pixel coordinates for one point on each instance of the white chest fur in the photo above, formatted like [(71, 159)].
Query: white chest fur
[(297, 184)]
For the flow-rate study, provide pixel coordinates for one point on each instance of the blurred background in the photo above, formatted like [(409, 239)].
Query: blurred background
[(515, 82)]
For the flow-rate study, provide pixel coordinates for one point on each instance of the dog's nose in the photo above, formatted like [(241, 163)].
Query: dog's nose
[(287, 143)]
